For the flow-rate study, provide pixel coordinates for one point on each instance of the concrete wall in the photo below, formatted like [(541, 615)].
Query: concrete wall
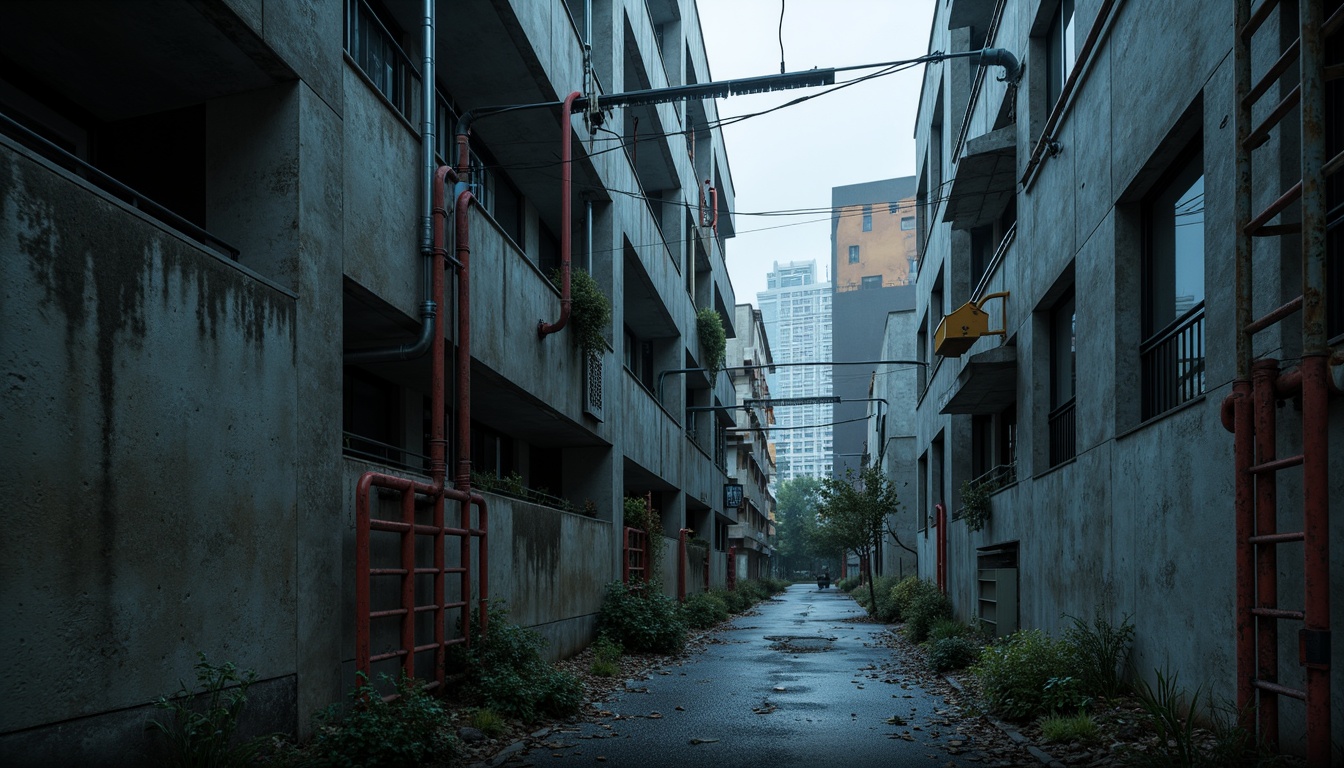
[(144, 373), (1139, 524)]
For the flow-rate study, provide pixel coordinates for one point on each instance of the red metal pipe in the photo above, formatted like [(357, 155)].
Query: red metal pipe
[(566, 176), (940, 520), (713, 209), (1315, 635), (730, 575), (681, 564), (1263, 374)]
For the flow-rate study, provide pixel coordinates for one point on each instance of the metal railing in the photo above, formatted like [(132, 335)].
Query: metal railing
[(1172, 363), (375, 51), (368, 449), (1063, 433), (90, 173)]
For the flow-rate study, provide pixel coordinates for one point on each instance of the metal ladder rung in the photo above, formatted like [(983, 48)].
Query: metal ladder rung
[(1278, 538), (1276, 465), (1274, 316), (1333, 23), (1274, 209), (1281, 690), (1278, 613), (1333, 164), (1285, 61), (1279, 230), (1261, 134), (1257, 18)]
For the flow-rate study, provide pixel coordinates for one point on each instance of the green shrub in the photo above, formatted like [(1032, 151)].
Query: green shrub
[(926, 608), (775, 586), (1102, 650), (885, 610), (905, 590), (847, 584), (203, 725), (1172, 715), (606, 657), (951, 653), (488, 721), (1013, 673), (734, 600), (1056, 729), (506, 672), (377, 734), (703, 610), (941, 629), (753, 590), (642, 621)]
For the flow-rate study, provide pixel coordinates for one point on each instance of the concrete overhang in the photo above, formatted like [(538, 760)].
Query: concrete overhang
[(987, 384), (970, 13), (986, 179)]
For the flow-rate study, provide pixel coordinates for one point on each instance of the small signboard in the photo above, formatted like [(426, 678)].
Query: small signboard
[(732, 495)]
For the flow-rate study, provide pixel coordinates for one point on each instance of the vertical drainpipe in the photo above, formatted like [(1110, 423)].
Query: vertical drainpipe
[(566, 175), (427, 134)]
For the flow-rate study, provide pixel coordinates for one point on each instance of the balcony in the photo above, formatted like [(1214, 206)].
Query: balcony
[(986, 385), (986, 180)]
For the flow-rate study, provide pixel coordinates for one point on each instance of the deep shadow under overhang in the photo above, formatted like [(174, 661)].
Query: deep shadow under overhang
[(987, 384), (986, 179)]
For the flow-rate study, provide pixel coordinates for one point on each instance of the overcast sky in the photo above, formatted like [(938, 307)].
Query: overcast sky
[(791, 158)]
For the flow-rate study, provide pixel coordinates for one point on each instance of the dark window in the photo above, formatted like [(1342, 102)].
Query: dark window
[(871, 281), (1173, 348), (372, 418), (853, 254), (1063, 434), (867, 218), (907, 223), (892, 208), (371, 40), (1060, 50)]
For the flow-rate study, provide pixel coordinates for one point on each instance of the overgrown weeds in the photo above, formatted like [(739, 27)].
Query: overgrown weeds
[(1067, 729), (1102, 650), (1173, 716), (373, 733), (703, 610), (201, 733), (606, 657), (506, 672), (642, 620), (1013, 674)]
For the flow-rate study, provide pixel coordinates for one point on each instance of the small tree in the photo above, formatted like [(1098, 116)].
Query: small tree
[(853, 512), (713, 339), (796, 512)]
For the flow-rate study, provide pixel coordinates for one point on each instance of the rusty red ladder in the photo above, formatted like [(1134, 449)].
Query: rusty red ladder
[(1250, 412)]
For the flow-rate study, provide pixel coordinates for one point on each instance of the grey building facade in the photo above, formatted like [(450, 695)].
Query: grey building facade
[(1101, 210), (215, 220)]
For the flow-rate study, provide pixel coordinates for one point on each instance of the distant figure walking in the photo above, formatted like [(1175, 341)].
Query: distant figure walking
[(824, 579)]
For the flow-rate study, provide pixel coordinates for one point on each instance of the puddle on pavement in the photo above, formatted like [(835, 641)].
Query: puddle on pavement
[(800, 643)]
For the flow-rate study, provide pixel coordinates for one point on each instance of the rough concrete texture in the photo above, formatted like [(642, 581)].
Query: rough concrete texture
[(1140, 523), (144, 375), (817, 696)]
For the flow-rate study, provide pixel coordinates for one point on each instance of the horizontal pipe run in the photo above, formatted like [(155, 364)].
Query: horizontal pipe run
[(1278, 613), (1281, 690), (1277, 464), (1277, 538)]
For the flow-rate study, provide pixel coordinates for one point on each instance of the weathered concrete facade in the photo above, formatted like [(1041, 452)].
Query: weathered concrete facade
[(750, 459), (1100, 500), (183, 429)]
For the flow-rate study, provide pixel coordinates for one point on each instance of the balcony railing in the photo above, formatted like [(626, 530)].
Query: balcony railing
[(378, 452), (1063, 433), (1173, 364)]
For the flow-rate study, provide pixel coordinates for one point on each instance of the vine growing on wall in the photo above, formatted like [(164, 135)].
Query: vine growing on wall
[(975, 503), (589, 312), (713, 339), (639, 515)]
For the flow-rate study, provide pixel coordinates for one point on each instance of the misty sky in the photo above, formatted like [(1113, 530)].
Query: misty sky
[(791, 158)]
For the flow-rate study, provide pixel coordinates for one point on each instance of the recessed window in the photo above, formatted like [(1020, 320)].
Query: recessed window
[(871, 281), (853, 254), (907, 223), (1060, 51), (1063, 380), (1173, 348), (371, 41), (867, 218)]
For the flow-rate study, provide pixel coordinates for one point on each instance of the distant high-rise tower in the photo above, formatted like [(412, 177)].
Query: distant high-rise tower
[(797, 314)]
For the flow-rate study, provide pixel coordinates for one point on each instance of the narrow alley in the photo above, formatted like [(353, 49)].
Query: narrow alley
[(804, 680)]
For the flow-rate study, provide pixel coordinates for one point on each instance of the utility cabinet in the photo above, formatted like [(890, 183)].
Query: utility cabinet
[(998, 600)]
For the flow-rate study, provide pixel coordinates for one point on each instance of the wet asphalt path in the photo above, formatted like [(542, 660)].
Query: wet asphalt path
[(798, 683)]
